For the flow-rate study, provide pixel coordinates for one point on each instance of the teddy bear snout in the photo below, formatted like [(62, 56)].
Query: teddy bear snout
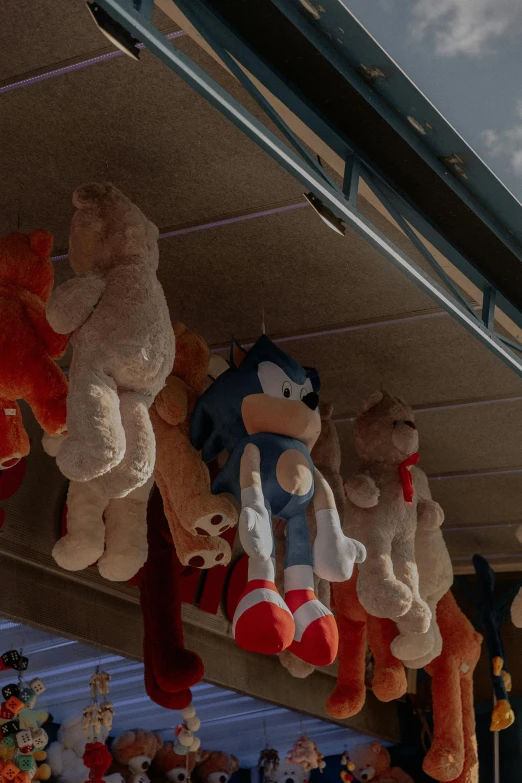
[(368, 773), (139, 764)]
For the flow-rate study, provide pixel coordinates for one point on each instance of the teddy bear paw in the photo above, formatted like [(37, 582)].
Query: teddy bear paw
[(386, 598), (346, 700), (389, 683), (122, 565), (418, 618), (213, 524)]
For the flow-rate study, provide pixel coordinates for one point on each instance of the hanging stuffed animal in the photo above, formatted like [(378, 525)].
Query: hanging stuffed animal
[(133, 753), (305, 754), (196, 516), (492, 612), (356, 629), (170, 670), (453, 752), (123, 344), (417, 650), (28, 344), (171, 767), (264, 412), (381, 510)]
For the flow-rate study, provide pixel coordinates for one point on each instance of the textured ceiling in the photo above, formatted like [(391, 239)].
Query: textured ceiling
[(183, 163), (230, 721)]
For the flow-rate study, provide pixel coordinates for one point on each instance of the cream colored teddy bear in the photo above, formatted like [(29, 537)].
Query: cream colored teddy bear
[(122, 338), (381, 511)]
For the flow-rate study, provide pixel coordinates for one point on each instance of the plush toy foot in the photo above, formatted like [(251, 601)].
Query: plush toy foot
[(10, 461), (200, 551), (443, 763), (418, 618), (502, 716), (316, 637), (389, 683), (334, 553), (122, 565), (180, 671), (74, 553), (297, 668), (213, 524), (78, 464), (170, 701), (262, 621), (409, 646), (346, 700)]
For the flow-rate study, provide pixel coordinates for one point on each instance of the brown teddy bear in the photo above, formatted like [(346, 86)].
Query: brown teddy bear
[(372, 762), (214, 766), (381, 511), (28, 344), (133, 753), (196, 516), (169, 766)]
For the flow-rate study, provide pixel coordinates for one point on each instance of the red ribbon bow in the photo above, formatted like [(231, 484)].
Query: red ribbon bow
[(406, 479)]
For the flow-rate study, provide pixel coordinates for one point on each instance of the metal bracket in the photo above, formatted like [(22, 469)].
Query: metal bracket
[(159, 45)]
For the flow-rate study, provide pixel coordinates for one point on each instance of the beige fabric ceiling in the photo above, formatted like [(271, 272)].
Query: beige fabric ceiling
[(183, 163)]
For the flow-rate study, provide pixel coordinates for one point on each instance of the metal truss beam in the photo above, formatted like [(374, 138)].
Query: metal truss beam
[(124, 13)]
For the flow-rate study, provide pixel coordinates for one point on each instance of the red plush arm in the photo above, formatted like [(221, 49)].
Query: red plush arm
[(55, 344), (172, 401)]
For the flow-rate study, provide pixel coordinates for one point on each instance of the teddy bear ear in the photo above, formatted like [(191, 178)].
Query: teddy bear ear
[(373, 400), (204, 755), (235, 763), (91, 194), (179, 328), (41, 242), (159, 742), (376, 747), (125, 739)]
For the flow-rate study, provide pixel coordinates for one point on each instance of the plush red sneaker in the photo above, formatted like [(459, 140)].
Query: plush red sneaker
[(262, 621)]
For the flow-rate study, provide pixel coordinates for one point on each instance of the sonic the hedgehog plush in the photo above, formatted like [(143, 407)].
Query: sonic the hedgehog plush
[(264, 412)]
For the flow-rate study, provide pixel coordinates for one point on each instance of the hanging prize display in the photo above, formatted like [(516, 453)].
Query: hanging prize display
[(97, 757)]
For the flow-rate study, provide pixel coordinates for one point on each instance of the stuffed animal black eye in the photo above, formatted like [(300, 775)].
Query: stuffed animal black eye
[(287, 389), (181, 777)]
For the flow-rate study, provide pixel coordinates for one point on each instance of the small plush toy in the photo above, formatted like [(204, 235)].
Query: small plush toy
[(269, 762), (133, 753), (435, 578), (65, 756), (28, 344), (453, 752), (214, 766), (264, 412), (169, 766), (372, 762), (356, 628), (381, 510), (196, 516), (123, 344), (492, 612), (326, 456), (170, 669), (289, 772), (97, 759), (346, 774), (305, 754)]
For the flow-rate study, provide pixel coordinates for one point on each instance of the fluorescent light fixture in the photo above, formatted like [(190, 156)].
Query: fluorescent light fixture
[(326, 214)]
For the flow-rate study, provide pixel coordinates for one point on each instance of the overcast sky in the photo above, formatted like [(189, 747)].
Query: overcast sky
[(466, 57)]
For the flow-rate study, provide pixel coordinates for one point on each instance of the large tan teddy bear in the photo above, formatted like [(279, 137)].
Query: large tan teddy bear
[(169, 767), (123, 344), (214, 766), (435, 578), (371, 761), (381, 511), (196, 517)]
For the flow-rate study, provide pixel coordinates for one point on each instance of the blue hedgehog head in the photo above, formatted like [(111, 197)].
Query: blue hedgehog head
[(265, 390)]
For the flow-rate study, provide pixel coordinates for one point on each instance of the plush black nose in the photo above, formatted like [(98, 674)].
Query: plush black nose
[(145, 765), (311, 400), (223, 779)]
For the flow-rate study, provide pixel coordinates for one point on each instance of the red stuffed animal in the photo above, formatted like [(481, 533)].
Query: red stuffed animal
[(28, 345)]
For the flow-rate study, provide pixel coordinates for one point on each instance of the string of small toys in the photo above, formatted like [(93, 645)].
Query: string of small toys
[(187, 742), (269, 762), (97, 757), (19, 744)]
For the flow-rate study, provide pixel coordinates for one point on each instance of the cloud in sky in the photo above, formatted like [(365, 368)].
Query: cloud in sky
[(507, 144), (470, 27)]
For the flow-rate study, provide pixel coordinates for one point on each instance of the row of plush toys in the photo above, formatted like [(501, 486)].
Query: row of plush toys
[(145, 402), (138, 756)]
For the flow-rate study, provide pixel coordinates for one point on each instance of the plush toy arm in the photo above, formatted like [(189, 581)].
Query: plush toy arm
[(55, 344), (172, 401), (255, 525), (203, 436), (71, 303), (362, 491), (429, 514)]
